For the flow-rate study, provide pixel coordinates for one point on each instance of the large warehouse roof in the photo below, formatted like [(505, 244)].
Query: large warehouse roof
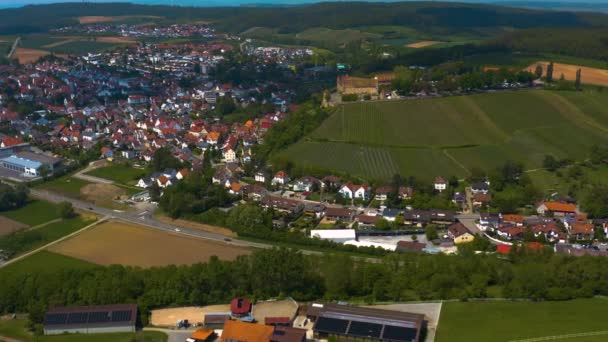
[(91, 316), (384, 325), (334, 234)]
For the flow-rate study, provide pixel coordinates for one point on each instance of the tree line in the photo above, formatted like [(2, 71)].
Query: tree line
[(524, 273)]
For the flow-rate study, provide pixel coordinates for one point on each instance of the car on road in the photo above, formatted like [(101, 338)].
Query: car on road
[(178, 230), (227, 239)]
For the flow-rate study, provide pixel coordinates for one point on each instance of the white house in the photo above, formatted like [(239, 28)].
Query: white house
[(181, 174), (260, 177), (163, 181), (145, 183), (280, 178), (440, 184), (229, 155), (353, 191)]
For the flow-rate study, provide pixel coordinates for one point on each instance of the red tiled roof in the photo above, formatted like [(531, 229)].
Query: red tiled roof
[(240, 306), (277, 320), (561, 207), (503, 249)]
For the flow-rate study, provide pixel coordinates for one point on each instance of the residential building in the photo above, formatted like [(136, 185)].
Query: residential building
[(459, 233), (557, 208), (280, 178), (354, 191), (440, 184)]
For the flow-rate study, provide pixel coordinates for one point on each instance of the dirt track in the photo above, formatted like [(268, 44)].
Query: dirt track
[(194, 314)]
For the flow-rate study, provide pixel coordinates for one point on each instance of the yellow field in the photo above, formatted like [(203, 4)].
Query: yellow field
[(127, 244), (94, 19), (29, 55), (588, 75), (8, 226), (422, 44)]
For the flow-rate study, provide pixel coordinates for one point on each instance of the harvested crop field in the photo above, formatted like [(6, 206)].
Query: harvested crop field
[(8, 226), (29, 55), (423, 44), (127, 244), (588, 75), (194, 314), (275, 308), (103, 194), (94, 19)]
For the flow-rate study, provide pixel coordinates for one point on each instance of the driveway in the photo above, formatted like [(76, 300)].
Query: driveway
[(174, 335)]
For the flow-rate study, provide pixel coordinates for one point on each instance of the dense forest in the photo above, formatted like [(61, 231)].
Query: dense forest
[(524, 273), (579, 42), (421, 15)]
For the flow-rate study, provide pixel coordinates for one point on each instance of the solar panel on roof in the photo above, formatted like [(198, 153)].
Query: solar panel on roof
[(56, 319), (99, 317), (364, 329), (399, 333), (331, 325), (121, 316), (77, 317)]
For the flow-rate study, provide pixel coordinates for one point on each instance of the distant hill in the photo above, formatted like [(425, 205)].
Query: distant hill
[(336, 15)]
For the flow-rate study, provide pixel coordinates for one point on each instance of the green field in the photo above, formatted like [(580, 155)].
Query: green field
[(43, 261), (34, 213), (82, 47), (450, 136), (513, 321), (119, 173), (28, 240), (18, 329)]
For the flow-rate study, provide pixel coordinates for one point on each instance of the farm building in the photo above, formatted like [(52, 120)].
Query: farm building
[(288, 334), (357, 85), (240, 307), (250, 332), (215, 320), (90, 319), (335, 235), (202, 335), (364, 323)]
